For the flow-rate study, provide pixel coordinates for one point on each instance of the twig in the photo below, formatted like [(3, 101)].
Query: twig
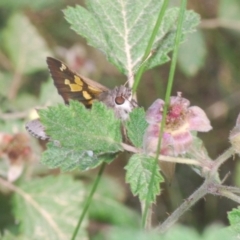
[(189, 202), (162, 157), (230, 195), (221, 159), (225, 191), (230, 188)]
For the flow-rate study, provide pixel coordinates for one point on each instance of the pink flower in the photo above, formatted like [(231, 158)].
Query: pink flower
[(181, 119)]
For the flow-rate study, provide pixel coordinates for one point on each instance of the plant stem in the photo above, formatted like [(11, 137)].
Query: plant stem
[(148, 223), (221, 159), (209, 186), (188, 161), (190, 201), (167, 97), (225, 191), (230, 188), (88, 201), (228, 194), (150, 43)]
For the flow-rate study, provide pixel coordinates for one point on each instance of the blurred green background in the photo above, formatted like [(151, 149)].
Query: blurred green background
[(207, 74)]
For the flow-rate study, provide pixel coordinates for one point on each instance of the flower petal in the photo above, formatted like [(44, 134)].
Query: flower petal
[(182, 142), (198, 120), (179, 100), (154, 112)]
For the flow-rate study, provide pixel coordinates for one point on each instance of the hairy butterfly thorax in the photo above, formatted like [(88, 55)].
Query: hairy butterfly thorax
[(73, 86)]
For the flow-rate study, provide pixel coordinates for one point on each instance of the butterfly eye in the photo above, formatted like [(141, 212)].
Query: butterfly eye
[(119, 100)]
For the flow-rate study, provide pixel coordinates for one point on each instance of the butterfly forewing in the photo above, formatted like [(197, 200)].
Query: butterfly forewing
[(71, 85)]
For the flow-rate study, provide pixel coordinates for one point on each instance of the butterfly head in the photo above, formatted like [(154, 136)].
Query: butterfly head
[(120, 100)]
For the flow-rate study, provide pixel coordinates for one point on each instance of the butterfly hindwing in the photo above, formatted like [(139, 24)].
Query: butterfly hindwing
[(36, 129), (71, 85)]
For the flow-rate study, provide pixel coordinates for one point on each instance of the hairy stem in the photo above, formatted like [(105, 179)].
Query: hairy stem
[(189, 202), (230, 195), (221, 159), (188, 161), (148, 222)]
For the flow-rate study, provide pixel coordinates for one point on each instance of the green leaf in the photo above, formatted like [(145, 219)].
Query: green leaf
[(108, 205), (165, 43), (24, 45), (197, 151), (48, 208), (181, 233), (121, 29), (7, 235), (234, 219), (192, 54), (81, 138), (139, 171), (177, 232), (132, 234), (136, 126), (217, 232)]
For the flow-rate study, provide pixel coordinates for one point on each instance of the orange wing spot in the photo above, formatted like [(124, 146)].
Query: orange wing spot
[(78, 80), (73, 86), (90, 102), (86, 95), (63, 67), (93, 89)]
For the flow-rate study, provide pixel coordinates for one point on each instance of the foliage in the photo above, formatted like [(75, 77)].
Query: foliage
[(136, 126), (82, 136), (177, 232), (139, 171), (46, 208), (121, 30), (234, 219), (27, 58), (42, 206), (107, 205)]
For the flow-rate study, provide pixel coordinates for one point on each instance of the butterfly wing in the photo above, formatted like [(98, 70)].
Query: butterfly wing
[(36, 129), (71, 85)]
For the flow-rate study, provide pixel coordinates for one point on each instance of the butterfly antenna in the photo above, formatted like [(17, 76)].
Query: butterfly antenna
[(145, 60)]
